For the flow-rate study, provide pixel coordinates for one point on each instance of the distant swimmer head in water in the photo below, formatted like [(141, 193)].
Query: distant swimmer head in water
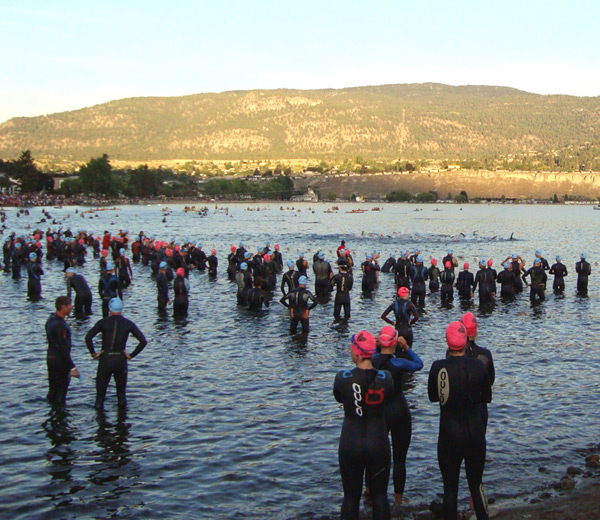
[(388, 336), (456, 336), (403, 293), (470, 322), (115, 305), (363, 344)]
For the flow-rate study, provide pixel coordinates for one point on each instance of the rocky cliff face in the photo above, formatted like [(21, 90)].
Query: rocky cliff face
[(483, 184)]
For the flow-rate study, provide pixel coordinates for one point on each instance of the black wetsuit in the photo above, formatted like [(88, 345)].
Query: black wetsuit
[(583, 270), (559, 271), (58, 359), (34, 280), (388, 264), (404, 313), (108, 288), (298, 301), (434, 278), (162, 295), (256, 298), (460, 385), (506, 279), (232, 265), (485, 356), (289, 281), (213, 264), (397, 413), (464, 284), (364, 443), (447, 279), (402, 273), (369, 280), (115, 330), (243, 279), (322, 272), (342, 282), (83, 294), (486, 280), (419, 275), (123, 268), (516, 268), (538, 282), (181, 290)]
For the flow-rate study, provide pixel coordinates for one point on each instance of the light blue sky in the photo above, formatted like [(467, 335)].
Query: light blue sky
[(64, 55)]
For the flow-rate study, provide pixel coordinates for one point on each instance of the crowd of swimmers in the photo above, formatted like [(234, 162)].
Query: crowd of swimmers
[(371, 393)]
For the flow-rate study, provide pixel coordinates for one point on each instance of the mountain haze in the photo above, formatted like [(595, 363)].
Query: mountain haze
[(430, 121)]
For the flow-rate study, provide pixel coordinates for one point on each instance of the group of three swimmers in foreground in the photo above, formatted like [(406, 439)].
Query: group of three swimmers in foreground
[(374, 405)]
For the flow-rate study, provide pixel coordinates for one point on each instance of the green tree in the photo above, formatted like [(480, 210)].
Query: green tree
[(398, 196), (24, 169), (96, 176), (555, 199), (331, 196)]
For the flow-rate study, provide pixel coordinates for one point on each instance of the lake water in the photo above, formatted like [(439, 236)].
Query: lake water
[(231, 417)]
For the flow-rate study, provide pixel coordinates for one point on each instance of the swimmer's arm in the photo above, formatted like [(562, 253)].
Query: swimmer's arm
[(385, 318), (284, 300), (137, 333), (89, 338), (432, 387)]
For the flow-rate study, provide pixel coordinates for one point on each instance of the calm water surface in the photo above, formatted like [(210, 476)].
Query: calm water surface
[(231, 417)]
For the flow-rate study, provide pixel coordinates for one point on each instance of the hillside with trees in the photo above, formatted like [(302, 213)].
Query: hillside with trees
[(411, 121)]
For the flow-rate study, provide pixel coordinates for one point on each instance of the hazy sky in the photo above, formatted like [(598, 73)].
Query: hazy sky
[(63, 55)]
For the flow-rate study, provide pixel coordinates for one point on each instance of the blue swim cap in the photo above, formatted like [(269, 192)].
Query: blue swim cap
[(420, 258), (584, 255), (393, 255), (482, 262), (301, 255), (515, 255), (321, 254), (243, 266), (558, 258), (538, 251), (241, 243), (450, 251), (110, 266), (163, 265), (32, 256), (70, 270), (291, 263), (247, 254), (122, 251), (115, 305), (199, 245), (506, 265), (18, 245), (537, 261), (267, 243), (302, 280), (369, 256)]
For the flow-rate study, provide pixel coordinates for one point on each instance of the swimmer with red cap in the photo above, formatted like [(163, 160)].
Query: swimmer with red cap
[(465, 282), (405, 314), (447, 279), (364, 444), (397, 413), (460, 384), (434, 276), (181, 288)]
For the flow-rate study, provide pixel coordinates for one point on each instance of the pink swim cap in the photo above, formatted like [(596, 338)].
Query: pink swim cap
[(213, 251), (233, 249), (156, 245), (433, 261), (363, 344), (490, 262), (276, 247), (266, 258), (104, 252), (456, 336), (80, 241), (403, 292), (447, 265), (466, 266), (169, 252), (180, 271), (470, 322), (388, 336), (49, 239)]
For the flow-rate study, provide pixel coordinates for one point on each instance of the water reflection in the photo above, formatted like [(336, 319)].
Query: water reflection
[(61, 435)]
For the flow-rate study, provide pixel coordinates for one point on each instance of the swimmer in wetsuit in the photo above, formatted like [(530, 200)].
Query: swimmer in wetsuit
[(181, 288), (369, 269), (460, 384), (297, 301), (83, 294), (418, 275), (397, 413), (34, 277), (447, 279), (434, 276), (405, 314), (559, 270), (465, 282), (289, 280), (342, 282), (112, 358), (364, 443), (506, 279), (58, 359), (538, 280), (162, 287), (583, 270), (109, 287)]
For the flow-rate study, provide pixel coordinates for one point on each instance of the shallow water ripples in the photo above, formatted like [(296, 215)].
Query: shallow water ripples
[(231, 417)]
